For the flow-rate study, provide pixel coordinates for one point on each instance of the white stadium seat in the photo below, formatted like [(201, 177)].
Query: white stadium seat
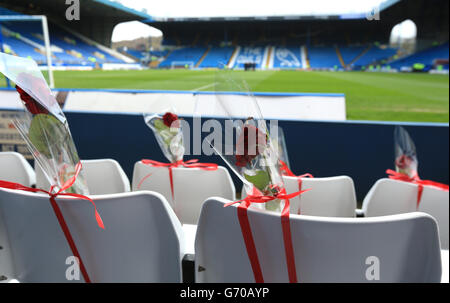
[(326, 249), (388, 197), (142, 240), (328, 197), (103, 176), (192, 186), (15, 168)]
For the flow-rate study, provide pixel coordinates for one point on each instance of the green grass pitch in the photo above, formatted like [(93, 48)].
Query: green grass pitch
[(369, 96)]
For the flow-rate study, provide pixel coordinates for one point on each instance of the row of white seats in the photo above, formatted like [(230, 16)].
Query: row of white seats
[(330, 197), (291, 184), (143, 241)]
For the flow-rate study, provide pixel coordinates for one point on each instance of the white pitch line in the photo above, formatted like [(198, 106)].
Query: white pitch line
[(203, 87)]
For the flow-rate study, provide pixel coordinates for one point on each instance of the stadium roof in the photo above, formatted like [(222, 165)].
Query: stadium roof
[(236, 10), (97, 17), (87, 8)]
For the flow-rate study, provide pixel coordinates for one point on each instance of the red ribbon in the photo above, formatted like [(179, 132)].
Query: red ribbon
[(188, 164), (258, 197), (285, 171), (416, 180), (58, 213)]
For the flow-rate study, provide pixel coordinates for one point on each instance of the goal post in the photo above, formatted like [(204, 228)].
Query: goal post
[(45, 34), (182, 64)]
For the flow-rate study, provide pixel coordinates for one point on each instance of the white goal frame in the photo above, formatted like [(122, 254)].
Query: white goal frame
[(182, 63), (48, 51)]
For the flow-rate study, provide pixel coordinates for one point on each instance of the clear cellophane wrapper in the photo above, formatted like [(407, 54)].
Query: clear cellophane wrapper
[(279, 143), (405, 153), (43, 125), (168, 132), (247, 147)]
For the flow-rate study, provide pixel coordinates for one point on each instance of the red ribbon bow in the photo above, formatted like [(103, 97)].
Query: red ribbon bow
[(415, 180), (193, 163), (285, 171), (58, 213), (258, 197)]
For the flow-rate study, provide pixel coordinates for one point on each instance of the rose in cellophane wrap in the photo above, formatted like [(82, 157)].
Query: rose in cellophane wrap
[(248, 147), (279, 143), (43, 125), (405, 153), (168, 133)]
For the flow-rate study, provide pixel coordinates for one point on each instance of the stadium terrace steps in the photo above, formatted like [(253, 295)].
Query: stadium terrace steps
[(203, 57), (360, 55), (270, 58), (234, 56), (349, 54), (341, 60)]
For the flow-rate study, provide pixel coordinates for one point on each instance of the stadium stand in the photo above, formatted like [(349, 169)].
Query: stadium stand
[(13, 45), (217, 56), (206, 49), (323, 57), (376, 54), (249, 54), (287, 57), (426, 57), (25, 39), (350, 53), (134, 53)]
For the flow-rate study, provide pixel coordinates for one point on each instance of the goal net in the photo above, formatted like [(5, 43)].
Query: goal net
[(45, 48), (182, 64)]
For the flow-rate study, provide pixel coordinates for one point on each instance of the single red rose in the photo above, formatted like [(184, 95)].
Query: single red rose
[(169, 119), (32, 105), (246, 143), (403, 161)]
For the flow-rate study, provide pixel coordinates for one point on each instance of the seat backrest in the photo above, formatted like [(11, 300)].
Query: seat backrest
[(436, 203), (192, 186), (388, 197), (15, 168), (142, 240), (406, 247), (328, 197), (103, 176)]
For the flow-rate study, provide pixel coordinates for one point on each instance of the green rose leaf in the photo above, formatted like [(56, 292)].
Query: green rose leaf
[(261, 179)]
